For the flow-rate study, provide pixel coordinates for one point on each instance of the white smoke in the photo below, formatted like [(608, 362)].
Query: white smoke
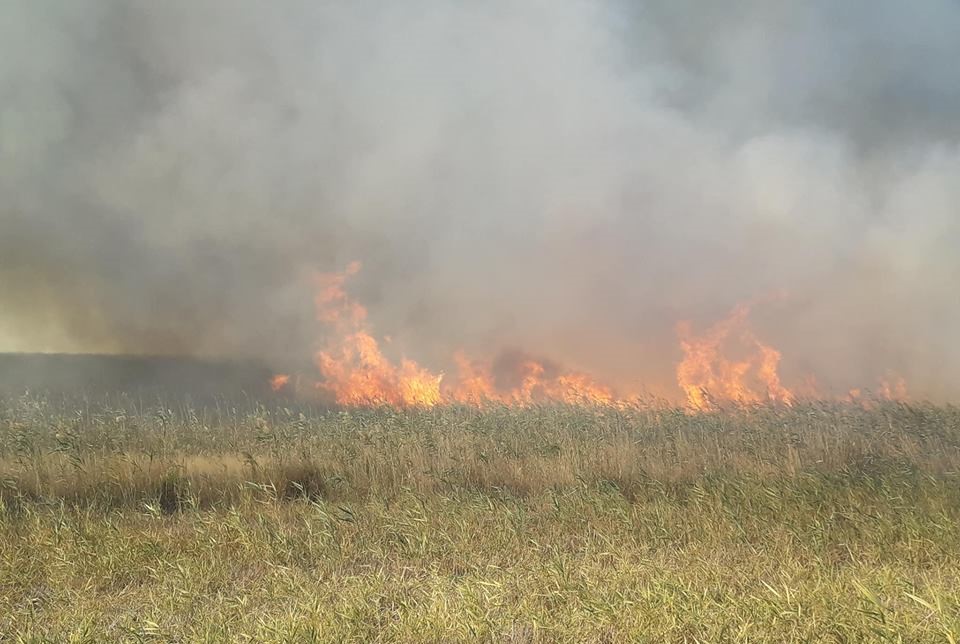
[(568, 177)]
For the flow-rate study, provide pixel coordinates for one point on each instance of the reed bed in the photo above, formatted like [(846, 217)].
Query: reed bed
[(129, 521)]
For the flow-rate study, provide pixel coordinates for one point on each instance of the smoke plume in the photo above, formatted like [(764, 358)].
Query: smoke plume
[(565, 178)]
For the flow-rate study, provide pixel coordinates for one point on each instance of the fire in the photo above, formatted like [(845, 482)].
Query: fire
[(727, 363), (474, 384), (355, 372), (891, 386), (706, 375), (532, 382), (354, 369), (279, 381)]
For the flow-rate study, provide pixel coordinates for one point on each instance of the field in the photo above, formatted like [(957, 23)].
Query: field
[(128, 521)]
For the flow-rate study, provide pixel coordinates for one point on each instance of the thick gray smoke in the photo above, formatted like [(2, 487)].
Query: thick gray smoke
[(566, 177)]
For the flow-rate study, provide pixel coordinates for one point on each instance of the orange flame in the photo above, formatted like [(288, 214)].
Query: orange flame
[(279, 381), (355, 372), (893, 387), (706, 375), (475, 384)]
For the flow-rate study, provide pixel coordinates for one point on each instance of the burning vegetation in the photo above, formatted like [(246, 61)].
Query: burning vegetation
[(706, 374), (728, 363), (355, 372)]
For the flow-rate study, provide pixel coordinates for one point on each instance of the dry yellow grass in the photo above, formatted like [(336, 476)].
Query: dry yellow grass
[(819, 522)]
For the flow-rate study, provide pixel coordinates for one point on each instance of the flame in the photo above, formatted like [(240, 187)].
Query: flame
[(475, 384), (893, 387), (354, 369), (706, 375), (279, 381), (355, 372)]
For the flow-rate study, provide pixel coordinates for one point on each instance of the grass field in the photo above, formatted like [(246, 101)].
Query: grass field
[(817, 523)]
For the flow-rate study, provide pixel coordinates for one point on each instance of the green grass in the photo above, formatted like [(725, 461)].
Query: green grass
[(820, 522)]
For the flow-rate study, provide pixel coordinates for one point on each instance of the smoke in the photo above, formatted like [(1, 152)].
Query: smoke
[(566, 178)]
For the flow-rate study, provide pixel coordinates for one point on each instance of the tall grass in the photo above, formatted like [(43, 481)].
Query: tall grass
[(817, 522)]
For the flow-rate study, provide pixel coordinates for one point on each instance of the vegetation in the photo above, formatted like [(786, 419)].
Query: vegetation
[(817, 522)]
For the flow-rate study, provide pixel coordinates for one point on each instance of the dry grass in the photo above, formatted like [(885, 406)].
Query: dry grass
[(819, 522)]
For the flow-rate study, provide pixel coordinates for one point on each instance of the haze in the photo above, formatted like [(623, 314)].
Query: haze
[(565, 178)]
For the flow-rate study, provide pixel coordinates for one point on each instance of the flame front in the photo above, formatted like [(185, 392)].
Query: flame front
[(475, 384), (891, 386), (354, 369), (355, 372), (706, 375), (279, 381)]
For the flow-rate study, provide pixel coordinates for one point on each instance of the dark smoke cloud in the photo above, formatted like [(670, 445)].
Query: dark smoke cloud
[(565, 177)]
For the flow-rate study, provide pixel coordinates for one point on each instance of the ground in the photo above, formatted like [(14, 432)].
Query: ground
[(235, 521)]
